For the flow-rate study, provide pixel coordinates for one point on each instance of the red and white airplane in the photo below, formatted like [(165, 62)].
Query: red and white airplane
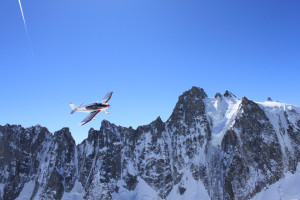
[(92, 108)]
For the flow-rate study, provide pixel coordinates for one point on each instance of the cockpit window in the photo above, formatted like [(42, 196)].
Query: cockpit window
[(95, 106)]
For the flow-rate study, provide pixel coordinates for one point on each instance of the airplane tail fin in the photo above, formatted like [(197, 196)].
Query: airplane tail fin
[(74, 107)]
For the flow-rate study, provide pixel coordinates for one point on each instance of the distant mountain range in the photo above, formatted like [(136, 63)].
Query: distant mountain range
[(210, 148)]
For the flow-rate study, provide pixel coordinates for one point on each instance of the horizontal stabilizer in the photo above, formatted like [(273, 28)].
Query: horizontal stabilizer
[(74, 107)]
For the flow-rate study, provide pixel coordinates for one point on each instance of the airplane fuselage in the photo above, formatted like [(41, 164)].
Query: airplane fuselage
[(93, 107)]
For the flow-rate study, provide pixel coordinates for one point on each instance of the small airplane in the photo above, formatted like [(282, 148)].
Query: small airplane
[(92, 108)]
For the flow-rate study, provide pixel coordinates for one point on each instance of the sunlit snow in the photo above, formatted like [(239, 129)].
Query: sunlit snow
[(142, 192), (221, 113), (288, 188)]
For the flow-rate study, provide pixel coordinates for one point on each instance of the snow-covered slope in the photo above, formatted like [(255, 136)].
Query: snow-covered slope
[(286, 188), (221, 112), (142, 192), (210, 148), (188, 188)]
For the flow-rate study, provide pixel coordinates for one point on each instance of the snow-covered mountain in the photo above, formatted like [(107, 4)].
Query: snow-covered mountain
[(209, 148)]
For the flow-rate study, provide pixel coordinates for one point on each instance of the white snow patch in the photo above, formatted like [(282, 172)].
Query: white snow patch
[(76, 161), (77, 193), (277, 109), (43, 168), (1, 189), (195, 190), (221, 112), (142, 192), (277, 113), (27, 135), (89, 148), (130, 169), (94, 160), (201, 157), (27, 191), (285, 189), (148, 138)]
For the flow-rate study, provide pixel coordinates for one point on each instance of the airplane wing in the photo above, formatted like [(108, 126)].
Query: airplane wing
[(106, 98), (89, 117)]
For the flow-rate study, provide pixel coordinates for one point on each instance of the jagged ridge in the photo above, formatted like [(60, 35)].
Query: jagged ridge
[(221, 147)]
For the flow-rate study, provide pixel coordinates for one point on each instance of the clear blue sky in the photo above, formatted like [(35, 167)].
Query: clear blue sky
[(147, 51)]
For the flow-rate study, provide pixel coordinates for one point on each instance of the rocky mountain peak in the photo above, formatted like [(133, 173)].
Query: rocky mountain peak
[(91, 135), (218, 95), (189, 106), (229, 94), (195, 92), (158, 122), (251, 109), (156, 127), (245, 100), (64, 133), (105, 123)]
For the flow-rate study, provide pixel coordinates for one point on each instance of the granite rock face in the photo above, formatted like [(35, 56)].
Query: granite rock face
[(233, 147)]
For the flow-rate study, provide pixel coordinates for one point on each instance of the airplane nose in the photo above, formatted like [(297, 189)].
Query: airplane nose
[(108, 105)]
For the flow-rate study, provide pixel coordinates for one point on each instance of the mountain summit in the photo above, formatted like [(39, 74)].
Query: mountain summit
[(210, 148)]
